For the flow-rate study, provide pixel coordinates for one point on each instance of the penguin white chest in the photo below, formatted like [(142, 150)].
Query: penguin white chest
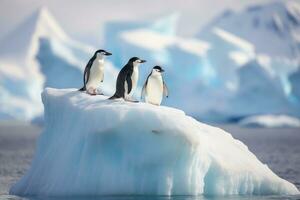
[(134, 79), (96, 74), (154, 90)]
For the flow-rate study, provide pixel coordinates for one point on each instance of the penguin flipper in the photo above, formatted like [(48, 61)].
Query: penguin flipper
[(166, 90), (144, 89), (115, 96), (86, 75), (82, 89), (129, 83), (102, 77), (144, 86)]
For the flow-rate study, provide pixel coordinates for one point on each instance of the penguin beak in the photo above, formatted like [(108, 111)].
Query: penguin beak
[(108, 54), (162, 70), (142, 61)]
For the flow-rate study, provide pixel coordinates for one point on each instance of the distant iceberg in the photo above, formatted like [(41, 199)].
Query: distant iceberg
[(39, 54), (93, 146), (271, 121), (295, 84)]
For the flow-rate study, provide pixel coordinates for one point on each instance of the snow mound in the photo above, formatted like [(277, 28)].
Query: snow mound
[(271, 121), (93, 146)]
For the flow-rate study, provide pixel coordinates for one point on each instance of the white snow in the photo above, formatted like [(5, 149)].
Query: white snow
[(94, 146), (239, 57), (154, 41), (271, 121), (193, 46), (243, 44), (294, 9), (147, 39)]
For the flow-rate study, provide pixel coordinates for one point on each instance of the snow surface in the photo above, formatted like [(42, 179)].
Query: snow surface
[(271, 121), (94, 146)]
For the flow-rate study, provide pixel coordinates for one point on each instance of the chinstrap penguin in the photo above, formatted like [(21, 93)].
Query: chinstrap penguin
[(127, 79), (155, 87), (94, 72)]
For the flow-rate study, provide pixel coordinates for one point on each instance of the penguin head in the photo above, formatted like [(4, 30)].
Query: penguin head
[(157, 70), (101, 53), (136, 61)]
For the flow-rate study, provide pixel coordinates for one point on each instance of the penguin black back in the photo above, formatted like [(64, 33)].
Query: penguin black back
[(124, 75)]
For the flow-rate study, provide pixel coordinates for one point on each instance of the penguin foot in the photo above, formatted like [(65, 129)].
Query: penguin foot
[(92, 91), (131, 100), (98, 91)]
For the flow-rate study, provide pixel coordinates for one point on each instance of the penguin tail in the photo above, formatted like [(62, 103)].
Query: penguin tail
[(112, 97), (115, 96), (82, 89)]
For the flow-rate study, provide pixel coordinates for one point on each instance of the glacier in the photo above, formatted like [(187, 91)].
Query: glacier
[(94, 146)]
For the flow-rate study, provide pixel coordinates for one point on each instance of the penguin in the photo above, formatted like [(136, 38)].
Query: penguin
[(127, 79), (94, 72), (155, 87)]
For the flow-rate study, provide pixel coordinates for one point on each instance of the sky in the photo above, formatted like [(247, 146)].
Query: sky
[(84, 20)]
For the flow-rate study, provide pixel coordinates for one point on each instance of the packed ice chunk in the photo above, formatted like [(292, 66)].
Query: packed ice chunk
[(95, 146)]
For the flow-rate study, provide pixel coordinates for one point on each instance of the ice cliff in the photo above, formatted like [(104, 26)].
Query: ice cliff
[(93, 146)]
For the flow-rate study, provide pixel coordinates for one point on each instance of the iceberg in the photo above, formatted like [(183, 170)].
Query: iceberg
[(265, 36), (95, 146), (184, 58), (273, 28), (295, 84), (38, 54), (257, 83), (271, 121)]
